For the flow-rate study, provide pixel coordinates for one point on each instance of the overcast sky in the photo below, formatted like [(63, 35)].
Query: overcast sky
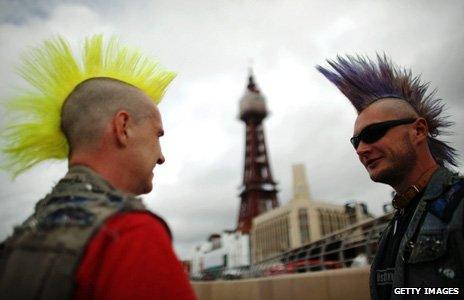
[(210, 44)]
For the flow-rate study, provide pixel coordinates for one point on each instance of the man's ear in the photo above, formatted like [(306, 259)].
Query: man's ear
[(120, 127), (421, 130)]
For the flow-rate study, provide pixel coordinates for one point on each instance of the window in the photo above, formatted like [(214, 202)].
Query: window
[(304, 225)]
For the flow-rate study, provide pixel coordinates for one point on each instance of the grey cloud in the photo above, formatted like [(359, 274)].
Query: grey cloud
[(18, 12)]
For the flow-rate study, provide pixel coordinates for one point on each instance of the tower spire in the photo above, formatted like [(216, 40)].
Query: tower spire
[(251, 82), (258, 192)]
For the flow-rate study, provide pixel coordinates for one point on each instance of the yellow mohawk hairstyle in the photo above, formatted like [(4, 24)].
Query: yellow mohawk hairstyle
[(54, 72)]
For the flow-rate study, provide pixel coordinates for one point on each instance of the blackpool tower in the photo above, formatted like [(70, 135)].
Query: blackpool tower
[(258, 192)]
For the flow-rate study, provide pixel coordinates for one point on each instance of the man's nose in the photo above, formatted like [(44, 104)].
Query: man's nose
[(161, 159), (362, 149)]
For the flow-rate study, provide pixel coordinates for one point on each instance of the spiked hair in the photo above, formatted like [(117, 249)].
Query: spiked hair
[(364, 81), (53, 71)]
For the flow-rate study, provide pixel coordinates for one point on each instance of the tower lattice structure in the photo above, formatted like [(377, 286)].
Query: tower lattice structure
[(258, 191)]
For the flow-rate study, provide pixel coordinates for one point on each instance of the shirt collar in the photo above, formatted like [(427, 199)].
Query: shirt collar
[(89, 176)]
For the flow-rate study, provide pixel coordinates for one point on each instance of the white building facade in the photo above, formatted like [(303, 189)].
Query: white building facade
[(221, 255)]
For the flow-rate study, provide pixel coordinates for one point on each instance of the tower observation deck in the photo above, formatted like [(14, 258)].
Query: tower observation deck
[(258, 192)]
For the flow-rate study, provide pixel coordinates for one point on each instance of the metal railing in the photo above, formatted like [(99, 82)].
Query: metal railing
[(352, 246)]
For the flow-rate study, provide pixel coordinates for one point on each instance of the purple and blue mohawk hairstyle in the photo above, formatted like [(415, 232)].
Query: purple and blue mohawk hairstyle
[(364, 81)]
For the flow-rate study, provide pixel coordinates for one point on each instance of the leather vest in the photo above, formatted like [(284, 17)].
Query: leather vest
[(40, 259), (431, 253)]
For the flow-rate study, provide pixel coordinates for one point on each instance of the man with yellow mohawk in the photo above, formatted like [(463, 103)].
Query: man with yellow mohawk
[(90, 237)]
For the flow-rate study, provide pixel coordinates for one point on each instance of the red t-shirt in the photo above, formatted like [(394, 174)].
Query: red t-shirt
[(131, 257)]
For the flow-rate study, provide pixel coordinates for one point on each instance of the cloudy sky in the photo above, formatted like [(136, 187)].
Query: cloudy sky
[(211, 44)]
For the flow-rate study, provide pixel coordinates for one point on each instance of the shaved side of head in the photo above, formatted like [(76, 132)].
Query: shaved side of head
[(398, 108), (92, 104)]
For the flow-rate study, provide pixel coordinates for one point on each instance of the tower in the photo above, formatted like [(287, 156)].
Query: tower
[(258, 192)]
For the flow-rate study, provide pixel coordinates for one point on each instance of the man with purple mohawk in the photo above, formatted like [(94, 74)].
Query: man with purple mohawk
[(395, 138)]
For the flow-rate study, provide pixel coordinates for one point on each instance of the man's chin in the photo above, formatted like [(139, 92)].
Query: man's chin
[(147, 187), (375, 178), (380, 175), (146, 190), (375, 171)]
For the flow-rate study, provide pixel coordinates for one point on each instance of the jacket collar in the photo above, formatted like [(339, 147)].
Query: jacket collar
[(440, 180), (87, 175)]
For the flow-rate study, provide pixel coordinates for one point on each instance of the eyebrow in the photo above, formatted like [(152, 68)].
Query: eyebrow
[(370, 125), (359, 132)]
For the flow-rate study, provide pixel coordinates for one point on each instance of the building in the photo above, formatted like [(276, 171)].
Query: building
[(222, 255), (301, 221), (258, 192)]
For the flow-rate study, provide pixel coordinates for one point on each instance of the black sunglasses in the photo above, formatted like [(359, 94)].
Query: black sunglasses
[(375, 132)]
